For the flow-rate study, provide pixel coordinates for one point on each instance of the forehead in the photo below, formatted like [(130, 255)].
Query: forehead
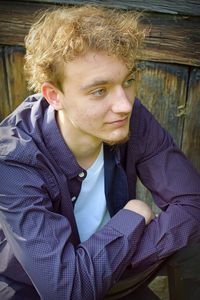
[(95, 66)]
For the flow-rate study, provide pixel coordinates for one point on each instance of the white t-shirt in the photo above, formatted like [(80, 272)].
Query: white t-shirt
[(90, 209)]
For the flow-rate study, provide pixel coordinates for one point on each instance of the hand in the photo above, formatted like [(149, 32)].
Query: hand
[(141, 208)]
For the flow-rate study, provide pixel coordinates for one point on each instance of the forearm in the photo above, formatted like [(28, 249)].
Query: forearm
[(172, 230), (58, 271)]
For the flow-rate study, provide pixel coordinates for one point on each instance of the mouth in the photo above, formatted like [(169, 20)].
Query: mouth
[(119, 122)]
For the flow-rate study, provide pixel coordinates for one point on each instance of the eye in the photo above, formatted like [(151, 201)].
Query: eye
[(99, 92), (129, 81)]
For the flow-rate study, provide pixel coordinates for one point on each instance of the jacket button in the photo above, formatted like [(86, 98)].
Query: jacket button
[(81, 175)]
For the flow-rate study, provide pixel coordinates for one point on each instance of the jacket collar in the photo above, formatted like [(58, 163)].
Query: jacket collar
[(61, 153)]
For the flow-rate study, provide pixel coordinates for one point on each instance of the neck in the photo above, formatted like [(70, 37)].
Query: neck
[(85, 148), (86, 157)]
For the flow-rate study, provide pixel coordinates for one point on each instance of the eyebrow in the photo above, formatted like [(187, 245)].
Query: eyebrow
[(94, 83), (98, 82)]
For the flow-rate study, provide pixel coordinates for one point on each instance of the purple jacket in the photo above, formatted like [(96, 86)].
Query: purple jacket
[(39, 178)]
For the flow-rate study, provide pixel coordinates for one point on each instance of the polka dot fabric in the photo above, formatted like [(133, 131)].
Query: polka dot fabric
[(39, 177)]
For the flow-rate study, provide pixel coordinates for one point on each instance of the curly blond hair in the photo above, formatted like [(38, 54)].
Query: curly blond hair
[(65, 33)]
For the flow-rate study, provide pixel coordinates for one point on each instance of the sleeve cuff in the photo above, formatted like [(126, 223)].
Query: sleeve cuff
[(126, 222)]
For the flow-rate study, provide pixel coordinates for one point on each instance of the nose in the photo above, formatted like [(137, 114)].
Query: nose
[(121, 103)]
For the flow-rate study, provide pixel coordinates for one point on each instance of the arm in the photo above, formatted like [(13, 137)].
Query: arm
[(175, 187), (39, 238)]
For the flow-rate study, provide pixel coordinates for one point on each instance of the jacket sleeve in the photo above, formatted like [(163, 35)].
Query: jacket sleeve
[(175, 187), (40, 240)]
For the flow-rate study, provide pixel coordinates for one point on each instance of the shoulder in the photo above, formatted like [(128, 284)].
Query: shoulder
[(19, 131), (141, 119), (147, 136)]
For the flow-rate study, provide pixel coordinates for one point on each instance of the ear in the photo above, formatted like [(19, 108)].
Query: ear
[(52, 95)]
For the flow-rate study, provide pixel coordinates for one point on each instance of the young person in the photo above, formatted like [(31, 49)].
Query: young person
[(69, 159)]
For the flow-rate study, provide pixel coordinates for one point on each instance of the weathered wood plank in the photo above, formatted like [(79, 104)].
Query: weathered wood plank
[(16, 19), (4, 99), (191, 136), (174, 39), (163, 90), (14, 62), (189, 7)]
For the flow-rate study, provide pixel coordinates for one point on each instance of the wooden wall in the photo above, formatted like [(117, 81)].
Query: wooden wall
[(168, 78), (172, 93), (12, 82)]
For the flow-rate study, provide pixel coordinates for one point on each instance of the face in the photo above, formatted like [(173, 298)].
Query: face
[(97, 99)]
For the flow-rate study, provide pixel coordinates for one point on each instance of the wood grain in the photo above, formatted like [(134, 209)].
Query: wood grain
[(163, 90), (14, 62), (191, 136), (191, 7), (5, 107), (172, 39)]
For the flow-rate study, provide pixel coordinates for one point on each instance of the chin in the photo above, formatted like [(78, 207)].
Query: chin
[(117, 141)]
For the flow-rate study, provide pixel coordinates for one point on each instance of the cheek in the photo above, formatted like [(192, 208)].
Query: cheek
[(83, 117), (88, 114), (130, 92), (92, 119), (94, 114)]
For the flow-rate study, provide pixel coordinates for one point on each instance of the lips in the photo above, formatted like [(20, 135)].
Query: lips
[(120, 122)]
